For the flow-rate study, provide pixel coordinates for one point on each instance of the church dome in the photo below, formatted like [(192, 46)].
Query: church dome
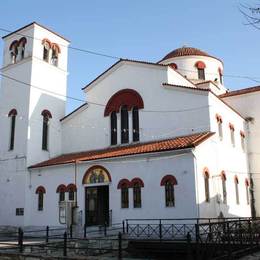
[(186, 51)]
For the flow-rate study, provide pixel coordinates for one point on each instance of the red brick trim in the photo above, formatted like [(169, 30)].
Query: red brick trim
[(223, 176), (128, 97), (173, 66), (61, 188), (168, 178), (124, 183), (137, 180), (206, 172), (236, 179), (46, 113), (89, 171), (242, 133), (12, 112), (219, 118), (45, 40), (40, 189), (55, 47), (71, 187), (200, 65)]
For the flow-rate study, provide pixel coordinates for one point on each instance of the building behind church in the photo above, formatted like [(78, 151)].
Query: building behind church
[(152, 140)]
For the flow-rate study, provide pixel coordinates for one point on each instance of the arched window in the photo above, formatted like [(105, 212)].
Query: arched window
[(61, 189), (124, 185), (206, 185), (12, 115), (113, 123), (124, 125), (168, 182), (71, 189), (236, 189), (135, 114), (247, 191), (201, 69), (54, 54), (220, 75), (137, 185), (232, 133), (46, 49), (224, 187), (96, 174), (45, 129), (242, 136), (220, 126), (40, 191), (13, 51), (21, 48)]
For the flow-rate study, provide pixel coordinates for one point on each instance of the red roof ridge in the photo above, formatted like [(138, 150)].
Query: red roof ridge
[(176, 143), (187, 87), (240, 92)]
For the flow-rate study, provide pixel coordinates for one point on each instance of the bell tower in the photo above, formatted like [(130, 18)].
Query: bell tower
[(32, 102)]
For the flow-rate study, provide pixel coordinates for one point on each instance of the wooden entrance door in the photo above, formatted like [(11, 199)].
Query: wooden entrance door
[(97, 205)]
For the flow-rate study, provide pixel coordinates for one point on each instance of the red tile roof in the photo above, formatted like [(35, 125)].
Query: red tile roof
[(240, 92), (187, 51), (176, 143)]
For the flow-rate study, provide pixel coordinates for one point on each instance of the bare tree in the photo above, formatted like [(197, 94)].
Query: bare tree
[(251, 14)]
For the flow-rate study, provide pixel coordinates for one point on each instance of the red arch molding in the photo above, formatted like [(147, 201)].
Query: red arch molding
[(169, 178), (46, 113), (137, 180), (12, 112), (22, 41), (206, 172), (40, 189), (124, 183), (71, 187), (61, 188), (93, 168), (174, 66), (219, 118), (246, 182), (200, 65), (236, 179), (55, 46), (46, 40), (128, 97)]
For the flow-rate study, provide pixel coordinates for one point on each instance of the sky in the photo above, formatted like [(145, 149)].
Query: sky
[(143, 30)]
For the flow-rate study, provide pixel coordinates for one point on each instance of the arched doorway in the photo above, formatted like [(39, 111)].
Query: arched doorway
[(96, 181)]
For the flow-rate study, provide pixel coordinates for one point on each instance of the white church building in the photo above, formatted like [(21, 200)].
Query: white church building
[(153, 140)]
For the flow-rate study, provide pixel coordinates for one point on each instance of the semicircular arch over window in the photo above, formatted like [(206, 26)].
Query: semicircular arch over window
[(96, 174), (127, 97)]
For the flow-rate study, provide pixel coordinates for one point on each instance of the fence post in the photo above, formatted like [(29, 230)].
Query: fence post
[(123, 226), (197, 234), (127, 228), (250, 234), (85, 230), (229, 242), (188, 257), (119, 245), (210, 231), (105, 229), (20, 239), (71, 230), (47, 234), (160, 229), (65, 244)]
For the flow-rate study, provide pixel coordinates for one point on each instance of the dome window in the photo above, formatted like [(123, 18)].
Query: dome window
[(173, 66), (201, 69)]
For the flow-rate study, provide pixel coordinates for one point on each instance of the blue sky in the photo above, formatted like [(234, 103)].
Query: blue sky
[(143, 30)]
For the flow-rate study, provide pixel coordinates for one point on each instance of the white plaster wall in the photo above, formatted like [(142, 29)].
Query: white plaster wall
[(149, 168), (176, 111), (248, 105)]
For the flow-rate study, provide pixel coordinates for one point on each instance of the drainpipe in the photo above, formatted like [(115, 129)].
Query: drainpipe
[(196, 183), (252, 195)]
